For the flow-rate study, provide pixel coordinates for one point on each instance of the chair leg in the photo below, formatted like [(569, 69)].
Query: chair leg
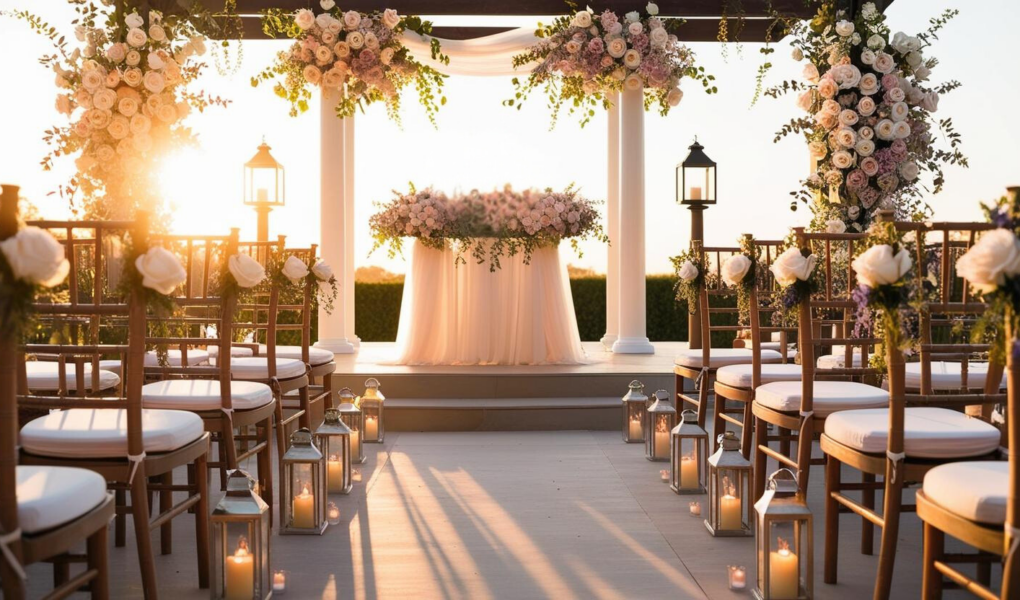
[(99, 587), (143, 536), (804, 437), (746, 432), (264, 463), (703, 404), (228, 444), (61, 573), (984, 571), (718, 425), (934, 548), (833, 475), (120, 520), (892, 505), (202, 520), (305, 420), (761, 437), (166, 502), (867, 527), (784, 445)]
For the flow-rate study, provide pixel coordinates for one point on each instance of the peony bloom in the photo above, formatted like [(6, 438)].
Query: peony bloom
[(991, 260), (867, 56), (688, 272), (35, 256), (160, 270), (735, 269), (878, 266), (792, 265), (247, 271)]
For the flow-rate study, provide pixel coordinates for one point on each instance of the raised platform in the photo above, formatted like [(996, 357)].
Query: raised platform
[(507, 398)]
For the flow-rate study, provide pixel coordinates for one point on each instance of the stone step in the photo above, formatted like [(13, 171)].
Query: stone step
[(502, 414)]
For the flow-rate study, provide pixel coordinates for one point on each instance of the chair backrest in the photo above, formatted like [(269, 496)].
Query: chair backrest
[(761, 300)]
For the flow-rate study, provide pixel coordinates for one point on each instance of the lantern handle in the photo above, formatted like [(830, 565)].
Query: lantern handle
[(773, 482), (684, 412)]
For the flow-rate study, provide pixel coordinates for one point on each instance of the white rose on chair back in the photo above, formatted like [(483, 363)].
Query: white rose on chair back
[(322, 270), (793, 265), (246, 270), (35, 256), (688, 272), (735, 269), (991, 260), (877, 266), (160, 269), (295, 270)]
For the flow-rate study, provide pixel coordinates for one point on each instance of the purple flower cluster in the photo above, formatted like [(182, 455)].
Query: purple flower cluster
[(863, 325)]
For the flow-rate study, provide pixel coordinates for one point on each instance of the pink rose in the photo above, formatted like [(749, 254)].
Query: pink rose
[(857, 180), (890, 81), (869, 165)]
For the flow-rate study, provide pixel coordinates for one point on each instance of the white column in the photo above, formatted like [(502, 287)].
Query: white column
[(613, 222), (632, 336), (349, 154), (332, 327)]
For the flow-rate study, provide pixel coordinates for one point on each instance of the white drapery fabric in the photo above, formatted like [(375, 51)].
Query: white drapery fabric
[(490, 56), (466, 315)]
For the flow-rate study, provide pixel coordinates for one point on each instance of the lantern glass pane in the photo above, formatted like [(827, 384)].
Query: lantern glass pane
[(372, 422), (354, 424), (660, 442), (634, 412), (783, 557), (241, 560), (687, 466), (265, 185), (335, 466), (730, 499), (699, 183), (302, 485)]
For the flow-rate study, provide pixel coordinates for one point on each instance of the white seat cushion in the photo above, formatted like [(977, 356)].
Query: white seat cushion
[(975, 490), (720, 357), (257, 367), (44, 376), (949, 375), (234, 351), (836, 361), (928, 432), (102, 433), (110, 365), (204, 394), (52, 496), (195, 357), (829, 396), (316, 355), (740, 375)]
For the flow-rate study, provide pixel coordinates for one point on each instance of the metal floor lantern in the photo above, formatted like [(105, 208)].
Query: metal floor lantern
[(729, 490), (333, 438), (635, 402), (240, 534), (784, 541), (660, 418), (304, 487), (689, 455), (350, 414), (371, 405)]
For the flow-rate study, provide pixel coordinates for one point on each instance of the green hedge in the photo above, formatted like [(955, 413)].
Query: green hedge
[(377, 310)]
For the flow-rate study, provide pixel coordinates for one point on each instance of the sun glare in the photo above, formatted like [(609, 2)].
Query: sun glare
[(199, 198)]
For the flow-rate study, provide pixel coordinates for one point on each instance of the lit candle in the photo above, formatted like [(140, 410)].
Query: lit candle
[(695, 193), (729, 507), (661, 439), (738, 577), (335, 474), (263, 195), (279, 582), (355, 447), (689, 472), (784, 573), (333, 514), (239, 578), (304, 510), (371, 429), (664, 473), (356, 474), (635, 432), (695, 509)]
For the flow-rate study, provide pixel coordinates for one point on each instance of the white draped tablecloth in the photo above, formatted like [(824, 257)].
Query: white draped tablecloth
[(521, 314)]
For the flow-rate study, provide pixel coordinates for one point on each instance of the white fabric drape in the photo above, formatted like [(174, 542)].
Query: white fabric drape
[(491, 55), (466, 315)]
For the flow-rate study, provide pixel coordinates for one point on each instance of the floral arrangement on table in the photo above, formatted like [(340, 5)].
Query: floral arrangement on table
[(31, 262), (357, 54), (871, 124), (125, 94), (584, 56), (740, 271), (690, 270), (487, 225), (992, 267)]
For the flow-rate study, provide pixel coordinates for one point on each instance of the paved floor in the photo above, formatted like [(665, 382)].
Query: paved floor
[(569, 514)]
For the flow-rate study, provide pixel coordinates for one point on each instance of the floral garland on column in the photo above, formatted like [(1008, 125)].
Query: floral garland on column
[(583, 57), (357, 54), (125, 94), (871, 124)]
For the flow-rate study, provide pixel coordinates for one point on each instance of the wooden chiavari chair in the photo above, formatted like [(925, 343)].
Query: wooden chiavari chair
[(209, 391), (736, 383), (700, 365), (117, 438), (909, 438), (45, 512), (798, 409)]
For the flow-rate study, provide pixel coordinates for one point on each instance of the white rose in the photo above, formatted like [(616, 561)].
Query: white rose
[(352, 19), (865, 148), (323, 55), (901, 130), (140, 124), (811, 73), (846, 137), (876, 42), (582, 19), (884, 63), (35, 256), (688, 272), (835, 226), (160, 270), (868, 56), (633, 83), (116, 52), (797, 54), (386, 56), (793, 265), (154, 82), (157, 33), (866, 107), (632, 17), (246, 270), (390, 18), (899, 111), (632, 59), (877, 265), (322, 270), (922, 73), (327, 4), (198, 44), (294, 269), (304, 18), (104, 99), (991, 260), (884, 130), (119, 127), (617, 47), (132, 58), (136, 38), (909, 170), (848, 117), (635, 28), (134, 20), (897, 95), (842, 159), (914, 59), (323, 20), (844, 28), (659, 37), (674, 96), (930, 102), (155, 61), (652, 8), (355, 40), (735, 268)]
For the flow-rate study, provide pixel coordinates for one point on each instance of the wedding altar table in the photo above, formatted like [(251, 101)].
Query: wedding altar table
[(521, 314)]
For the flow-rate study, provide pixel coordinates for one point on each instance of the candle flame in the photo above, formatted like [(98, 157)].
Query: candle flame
[(334, 458), (304, 491), (784, 546), (728, 488), (242, 547), (661, 426)]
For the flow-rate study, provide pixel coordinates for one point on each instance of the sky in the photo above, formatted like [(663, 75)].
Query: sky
[(481, 144)]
